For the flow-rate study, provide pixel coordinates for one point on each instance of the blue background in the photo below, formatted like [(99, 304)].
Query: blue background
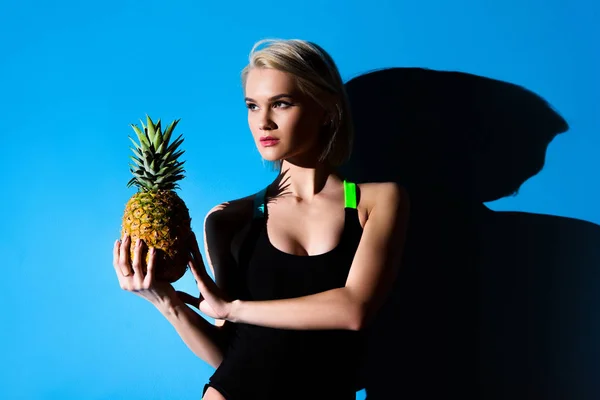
[(74, 75)]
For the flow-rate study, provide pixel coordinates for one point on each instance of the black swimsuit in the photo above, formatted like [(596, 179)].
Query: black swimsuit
[(268, 363)]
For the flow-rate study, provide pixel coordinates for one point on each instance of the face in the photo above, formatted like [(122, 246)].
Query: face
[(285, 123)]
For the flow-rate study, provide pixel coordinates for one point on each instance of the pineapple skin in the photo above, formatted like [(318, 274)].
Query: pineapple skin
[(162, 220)]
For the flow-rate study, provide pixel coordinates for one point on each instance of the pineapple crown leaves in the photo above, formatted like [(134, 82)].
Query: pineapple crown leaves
[(156, 164)]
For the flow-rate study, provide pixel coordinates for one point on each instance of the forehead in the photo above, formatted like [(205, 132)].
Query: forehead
[(268, 82)]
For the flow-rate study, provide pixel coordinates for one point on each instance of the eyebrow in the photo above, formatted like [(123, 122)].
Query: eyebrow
[(277, 97)]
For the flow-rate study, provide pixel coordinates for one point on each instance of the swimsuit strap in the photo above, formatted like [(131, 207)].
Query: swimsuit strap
[(349, 194), (259, 203), (349, 199)]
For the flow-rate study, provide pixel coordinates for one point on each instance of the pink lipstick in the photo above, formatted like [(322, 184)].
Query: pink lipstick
[(268, 141)]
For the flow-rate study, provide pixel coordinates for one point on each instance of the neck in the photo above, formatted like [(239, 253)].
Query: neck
[(304, 182)]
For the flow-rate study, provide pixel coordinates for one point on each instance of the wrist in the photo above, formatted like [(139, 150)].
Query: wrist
[(169, 306), (234, 312)]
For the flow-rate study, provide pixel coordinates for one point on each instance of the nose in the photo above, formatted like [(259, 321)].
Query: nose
[(266, 123)]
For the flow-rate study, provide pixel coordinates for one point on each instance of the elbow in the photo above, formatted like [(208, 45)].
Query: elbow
[(355, 309), (212, 361), (358, 318)]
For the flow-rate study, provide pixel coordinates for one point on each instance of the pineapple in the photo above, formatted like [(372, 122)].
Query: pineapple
[(156, 214)]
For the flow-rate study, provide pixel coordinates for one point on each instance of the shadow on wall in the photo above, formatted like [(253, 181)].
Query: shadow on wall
[(488, 305)]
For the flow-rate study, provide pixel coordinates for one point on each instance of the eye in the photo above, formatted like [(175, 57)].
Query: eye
[(251, 106), (281, 104)]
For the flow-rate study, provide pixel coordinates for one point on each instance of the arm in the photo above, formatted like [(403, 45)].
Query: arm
[(206, 340), (222, 224), (203, 338), (369, 282), (199, 335)]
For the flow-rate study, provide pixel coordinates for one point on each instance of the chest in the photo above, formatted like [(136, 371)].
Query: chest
[(271, 273), (304, 231)]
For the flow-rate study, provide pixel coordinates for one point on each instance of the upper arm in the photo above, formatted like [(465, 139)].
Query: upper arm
[(377, 259), (221, 224)]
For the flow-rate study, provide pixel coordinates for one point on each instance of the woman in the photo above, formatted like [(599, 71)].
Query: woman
[(300, 267)]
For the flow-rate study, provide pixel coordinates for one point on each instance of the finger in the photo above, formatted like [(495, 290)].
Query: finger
[(196, 275), (124, 259), (206, 285), (116, 265), (189, 299), (192, 257), (201, 280), (149, 279), (195, 250), (116, 247), (199, 274), (137, 262)]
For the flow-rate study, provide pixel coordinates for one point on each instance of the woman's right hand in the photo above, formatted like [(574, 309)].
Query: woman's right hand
[(132, 278)]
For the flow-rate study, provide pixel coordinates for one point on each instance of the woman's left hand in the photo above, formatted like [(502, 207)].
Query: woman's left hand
[(212, 301)]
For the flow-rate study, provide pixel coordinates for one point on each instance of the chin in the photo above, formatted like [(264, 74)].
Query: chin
[(270, 155), (272, 159)]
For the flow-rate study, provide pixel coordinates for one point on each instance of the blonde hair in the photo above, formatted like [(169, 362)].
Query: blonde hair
[(316, 76)]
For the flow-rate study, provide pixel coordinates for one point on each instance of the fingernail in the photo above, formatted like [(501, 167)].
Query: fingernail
[(152, 250), (138, 243)]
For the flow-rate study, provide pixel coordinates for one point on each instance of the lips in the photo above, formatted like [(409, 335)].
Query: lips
[(268, 141)]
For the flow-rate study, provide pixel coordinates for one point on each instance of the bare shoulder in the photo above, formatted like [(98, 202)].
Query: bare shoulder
[(221, 225), (225, 227), (382, 194), (232, 213)]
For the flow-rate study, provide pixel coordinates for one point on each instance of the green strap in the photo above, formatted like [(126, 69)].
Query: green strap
[(349, 199), (349, 194)]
